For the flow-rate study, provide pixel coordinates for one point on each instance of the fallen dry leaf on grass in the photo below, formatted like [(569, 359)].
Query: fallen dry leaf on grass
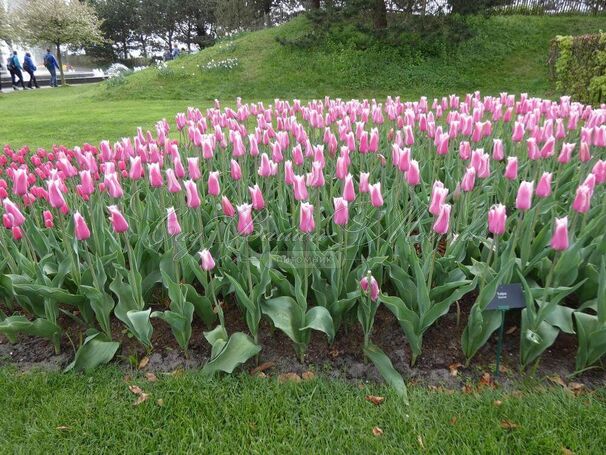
[(509, 425), (454, 368), (135, 389), (376, 431), (576, 387), (453, 420), (420, 441), (160, 402), (62, 427), (127, 378), (261, 375), (334, 353), (467, 388), (517, 394), (556, 379), (289, 377), (264, 366), (143, 363), (497, 402), (151, 377), (486, 380), (308, 375), (375, 399), (567, 451), (141, 398)]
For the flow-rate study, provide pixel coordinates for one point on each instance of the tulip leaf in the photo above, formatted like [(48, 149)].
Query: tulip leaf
[(96, 350), (318, 318), (238, 349), (387, 371), (286, 316)]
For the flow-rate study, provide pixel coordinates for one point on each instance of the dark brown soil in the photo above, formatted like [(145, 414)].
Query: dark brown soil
[(343, 359)]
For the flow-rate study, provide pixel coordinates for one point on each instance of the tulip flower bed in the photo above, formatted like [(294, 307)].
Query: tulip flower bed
[(311, 216)]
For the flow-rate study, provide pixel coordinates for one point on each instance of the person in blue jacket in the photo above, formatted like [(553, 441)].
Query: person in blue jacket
[(30, 68), (14, 65), (50, 62)]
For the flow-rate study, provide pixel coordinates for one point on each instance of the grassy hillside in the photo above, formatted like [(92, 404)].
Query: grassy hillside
[(504, 53)]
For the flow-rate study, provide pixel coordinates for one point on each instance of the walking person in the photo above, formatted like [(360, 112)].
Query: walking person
[(16, 67), (50, 62), (30, 68), (9, 68)]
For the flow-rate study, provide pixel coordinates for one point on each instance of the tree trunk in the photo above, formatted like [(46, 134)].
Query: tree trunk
[(380, 14), (60, 61), (315, 4)]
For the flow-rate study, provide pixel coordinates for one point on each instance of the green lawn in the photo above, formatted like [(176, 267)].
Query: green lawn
[(69, 413), (76, 114)]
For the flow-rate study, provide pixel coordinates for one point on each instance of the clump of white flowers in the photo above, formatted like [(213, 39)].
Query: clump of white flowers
[(227, 64)]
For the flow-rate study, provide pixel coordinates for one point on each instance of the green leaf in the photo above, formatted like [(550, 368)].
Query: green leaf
[(389, 373), (102, 304), (318, 318), (140, 325), (13, 325), (238, 349), (96, 350), (286, 316)]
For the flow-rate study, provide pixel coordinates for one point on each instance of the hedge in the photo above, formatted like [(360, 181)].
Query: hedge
[(578, 66)]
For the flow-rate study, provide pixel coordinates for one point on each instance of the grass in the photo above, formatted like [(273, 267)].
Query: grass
[(503, 54), (75, 115), (70, 413)]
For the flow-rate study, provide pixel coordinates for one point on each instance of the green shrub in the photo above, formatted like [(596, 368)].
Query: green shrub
[(578, 66)]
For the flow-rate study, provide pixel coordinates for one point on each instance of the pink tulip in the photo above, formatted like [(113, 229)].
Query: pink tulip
[(17, 233), (544, 186), (518, 132), (207, 261), (404, 160), (469, 179), (498, 152), (20, 182), (256, 196), (364, 186), (438, 197), (341, 168), (582, 200), (228, 208), (55, 196), (559, 239), (300, 188), (349, 193), (155, 175), (376, 198), (289, 173), (306, 217), (599, 170), (113, 186), (136, 168), (7, 220), (81, 229), (245, 221), (341, 215), (234, 170), (214, 188), (441, 224), (265, 167), (524, 196), (172, 183), (119, 223), (584, 153), (172, 223), (193, 168), (47, 216), (11, 208), (511, 169), (497, 218), (413, 175), (192, 195), (566, 153), (373, 289), (317, 176), (590, 181)]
